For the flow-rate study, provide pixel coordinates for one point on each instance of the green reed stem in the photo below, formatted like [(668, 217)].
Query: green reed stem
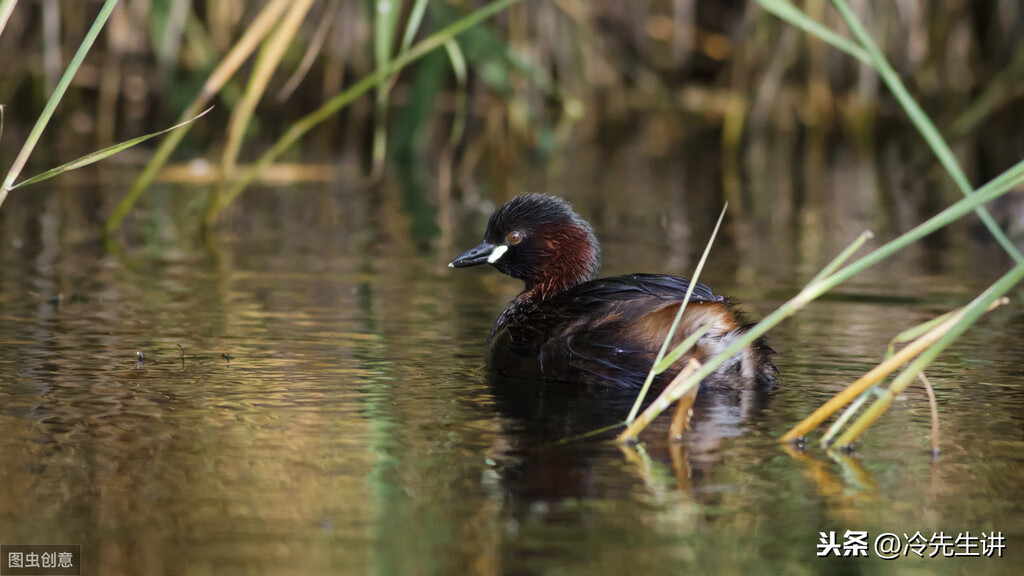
[(923, 123), (419, 9), (101, 154), (6, 7), (385, 21), (790, 13), (843, 256), (686, 344), (915, 332), (332, 106), (459, 68), (55, 98), (847, 414)]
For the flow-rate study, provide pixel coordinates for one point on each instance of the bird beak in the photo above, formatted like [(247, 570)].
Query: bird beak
[(485, 253)]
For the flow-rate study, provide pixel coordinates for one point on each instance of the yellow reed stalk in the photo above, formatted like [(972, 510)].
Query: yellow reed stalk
[(267, 61), (866, 381), (245, 46), (648, 416)]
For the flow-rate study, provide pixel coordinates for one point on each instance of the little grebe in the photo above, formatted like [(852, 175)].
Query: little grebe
[(568, 325)]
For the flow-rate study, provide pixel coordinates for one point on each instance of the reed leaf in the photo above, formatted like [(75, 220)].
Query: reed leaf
[(384, 23), (843, 256), (852, 409), (239, 53), (55, 98), (300, 128), (870, 379), (6, 7), (790, 13), (923, 124), (996, 92), (419, 9), (461, 75), (101, 154), (915, 332)]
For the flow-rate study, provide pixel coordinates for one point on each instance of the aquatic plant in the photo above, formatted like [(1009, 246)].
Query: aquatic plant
[(51, 106), (551, 65), (925, 348)]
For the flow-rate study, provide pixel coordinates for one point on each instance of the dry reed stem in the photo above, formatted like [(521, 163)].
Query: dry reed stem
[(649, 415), (866, 381), (246, 45), (963, 319), (684, 413), (267, 61), (934, 406)]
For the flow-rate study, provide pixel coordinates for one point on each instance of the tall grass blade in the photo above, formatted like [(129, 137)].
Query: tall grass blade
[(419, 9), (843, 256), (101, 154), (267, 61), (332, 106), (677, 352), (915, 332), (790, 13), (923, 123), (238, 54), (385, 21), (852, 409), (461, 75), (876, 374), (446, 160), (996, 92), (679, 382), (6, 7), (685, 345), (55, 98)]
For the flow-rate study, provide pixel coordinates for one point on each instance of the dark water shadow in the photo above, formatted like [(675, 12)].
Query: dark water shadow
[(557, 431)]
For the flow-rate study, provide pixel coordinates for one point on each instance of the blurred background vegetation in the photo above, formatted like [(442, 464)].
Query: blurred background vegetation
[(524, 85)]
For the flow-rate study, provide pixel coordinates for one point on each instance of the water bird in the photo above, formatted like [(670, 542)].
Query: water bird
[(569, 325)]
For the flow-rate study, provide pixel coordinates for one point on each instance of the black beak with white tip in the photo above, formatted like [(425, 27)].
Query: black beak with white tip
[(485, 253)]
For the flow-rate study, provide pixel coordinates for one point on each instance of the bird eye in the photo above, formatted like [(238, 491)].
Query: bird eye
[(514, 238)]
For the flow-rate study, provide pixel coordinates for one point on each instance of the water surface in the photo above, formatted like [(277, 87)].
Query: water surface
[(330, 413)]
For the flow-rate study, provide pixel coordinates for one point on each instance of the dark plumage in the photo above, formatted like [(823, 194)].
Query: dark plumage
[(568, 325)]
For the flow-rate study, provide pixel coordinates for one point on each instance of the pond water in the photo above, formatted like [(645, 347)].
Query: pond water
[(331, 415)]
